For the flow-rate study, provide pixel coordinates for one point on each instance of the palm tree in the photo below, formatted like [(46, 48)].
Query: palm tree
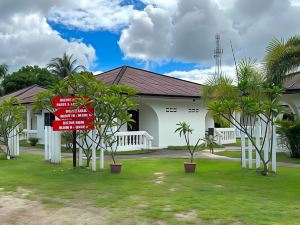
[(3, 70), (282, 58), (64, 66)]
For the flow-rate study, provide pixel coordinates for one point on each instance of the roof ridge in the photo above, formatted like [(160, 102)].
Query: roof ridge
[(165, 75), (108, 71), (120, 75)]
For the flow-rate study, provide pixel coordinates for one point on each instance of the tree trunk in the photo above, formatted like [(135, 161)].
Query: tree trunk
[(88, 160), (265, 172)]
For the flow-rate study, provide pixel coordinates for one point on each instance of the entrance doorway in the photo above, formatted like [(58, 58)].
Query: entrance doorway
[(134, 126)]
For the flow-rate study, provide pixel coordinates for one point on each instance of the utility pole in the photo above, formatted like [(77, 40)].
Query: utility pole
[(217, 55)]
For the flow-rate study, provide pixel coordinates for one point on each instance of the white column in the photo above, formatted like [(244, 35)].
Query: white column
[(257, 143), (250, 153), (243, 150), (274, 136)]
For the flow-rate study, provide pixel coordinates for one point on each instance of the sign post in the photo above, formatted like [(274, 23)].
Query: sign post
[(70, 118)]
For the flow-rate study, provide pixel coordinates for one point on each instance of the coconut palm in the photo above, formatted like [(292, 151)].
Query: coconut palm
[(3, 70), (64, 66), (282, 58)]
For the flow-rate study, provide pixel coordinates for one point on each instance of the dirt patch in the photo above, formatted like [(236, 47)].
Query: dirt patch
[(17, 210), (187, 216), (159, 179), (158, 173)]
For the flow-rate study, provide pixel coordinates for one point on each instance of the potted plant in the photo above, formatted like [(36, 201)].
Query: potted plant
[(110, 141), (185, 130)]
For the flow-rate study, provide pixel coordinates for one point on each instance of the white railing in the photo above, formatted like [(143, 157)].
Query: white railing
[(133, 140), (25, 135), (225, 135)]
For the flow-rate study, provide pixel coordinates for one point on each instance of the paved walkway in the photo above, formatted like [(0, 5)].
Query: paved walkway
[(165, 153)]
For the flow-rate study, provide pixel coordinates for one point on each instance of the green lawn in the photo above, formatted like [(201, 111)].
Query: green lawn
[(281, 156), (220, 192)]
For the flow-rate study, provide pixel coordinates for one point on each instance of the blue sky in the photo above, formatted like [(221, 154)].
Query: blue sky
[(109, 54)]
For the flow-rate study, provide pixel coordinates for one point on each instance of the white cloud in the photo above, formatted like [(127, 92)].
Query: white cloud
[(201, 75), (93, 15), (27, 39), (152, 24), (184, 30)]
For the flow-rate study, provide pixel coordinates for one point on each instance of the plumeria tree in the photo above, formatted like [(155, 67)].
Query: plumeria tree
[(11, 116), (251, 95)]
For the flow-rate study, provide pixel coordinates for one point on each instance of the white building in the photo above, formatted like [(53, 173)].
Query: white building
[(163, 102)]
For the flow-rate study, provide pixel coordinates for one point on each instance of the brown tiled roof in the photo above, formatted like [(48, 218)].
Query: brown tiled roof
[(292, 84), (26, 95), (149, 83)]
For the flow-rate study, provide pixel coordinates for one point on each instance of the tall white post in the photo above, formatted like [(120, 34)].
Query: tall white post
[(46, 147), (80, 157), (93, 152), (243, 150), (56, 147), (17, 138), (250, 153), (274, 147), (257, 143), (101, 159)]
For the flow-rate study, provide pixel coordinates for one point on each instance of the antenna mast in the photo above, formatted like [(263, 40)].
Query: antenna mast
[(217, 55)]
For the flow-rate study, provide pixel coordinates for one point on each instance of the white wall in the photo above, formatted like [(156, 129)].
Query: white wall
[(209, 121), (168, 120), (149, 122)]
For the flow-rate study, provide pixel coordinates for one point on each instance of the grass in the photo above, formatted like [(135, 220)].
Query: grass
[(220, 192), (281, 156)]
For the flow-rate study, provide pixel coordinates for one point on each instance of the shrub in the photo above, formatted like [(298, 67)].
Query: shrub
[(33, 141), (289, 132)]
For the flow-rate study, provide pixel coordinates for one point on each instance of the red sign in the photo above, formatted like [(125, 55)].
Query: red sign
[(73, 124), (73, 114), (72, 118), (64, 102)]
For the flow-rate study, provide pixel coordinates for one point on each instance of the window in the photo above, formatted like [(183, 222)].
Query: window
[(171, 109), (193, 110)]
